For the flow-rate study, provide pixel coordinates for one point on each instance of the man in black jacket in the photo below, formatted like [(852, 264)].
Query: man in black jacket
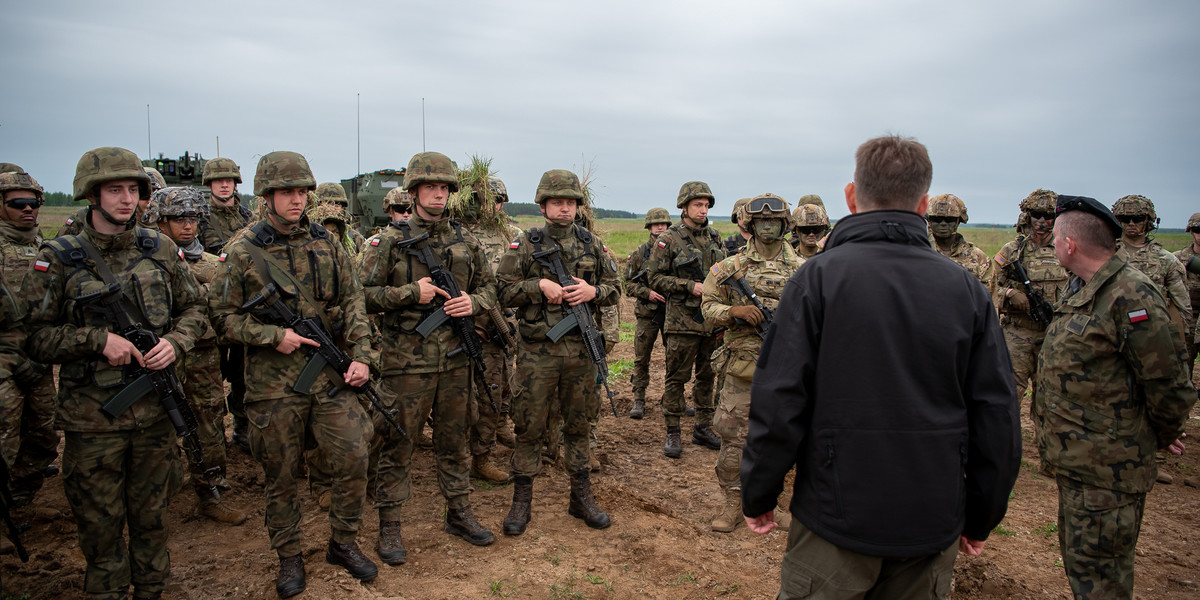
[(886, 381)]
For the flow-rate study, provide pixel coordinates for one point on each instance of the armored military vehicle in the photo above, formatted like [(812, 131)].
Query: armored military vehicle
[(186, 170), (366, 193)]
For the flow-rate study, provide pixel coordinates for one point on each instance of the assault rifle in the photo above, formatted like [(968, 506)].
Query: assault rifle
[(578, 316), (113, 305), (1039, 310), (268, 306), (464, 327), (6, 502), (739, 285)]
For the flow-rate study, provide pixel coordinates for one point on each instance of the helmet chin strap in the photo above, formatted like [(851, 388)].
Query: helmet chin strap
[(111, 219)]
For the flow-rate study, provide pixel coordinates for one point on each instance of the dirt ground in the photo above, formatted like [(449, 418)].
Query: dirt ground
[(659, 545)]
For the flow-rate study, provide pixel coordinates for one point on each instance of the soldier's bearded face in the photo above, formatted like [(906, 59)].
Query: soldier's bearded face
[(1134, 230), (222, 188), (181, 230), (119, 198), (21, 217)]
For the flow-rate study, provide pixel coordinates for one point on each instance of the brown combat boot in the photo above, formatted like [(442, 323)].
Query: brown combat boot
[(639, 408), (349, 557), (290, 580), (520, 514), (593, 461), (483, 468), (674, 447), (783, 519), (324, 499), (504, 432), (461, 522), (731, 514), (222, 514), (389, 547), (583, 505)]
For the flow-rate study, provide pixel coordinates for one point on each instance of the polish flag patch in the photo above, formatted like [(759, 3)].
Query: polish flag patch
[(514, 245), (181, 254), (1138, 316), (374, 241), (221, 258), (70, 220), (662, 244), (41, 265)]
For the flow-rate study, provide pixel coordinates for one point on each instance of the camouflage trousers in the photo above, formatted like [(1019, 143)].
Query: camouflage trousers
[(816, 569), (1098, 532), (206, 392), (550, 382), (1024, 344), (28, 441), (278, 430), (731, 422), (644, 335), (233, 363), (498, 377), (685, 351), (116, 478), (447, 396)]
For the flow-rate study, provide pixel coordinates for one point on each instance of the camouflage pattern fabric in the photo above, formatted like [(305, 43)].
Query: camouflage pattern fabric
[(222, 222), (1024, 336), (650, 317), (733, 243), (680, 259), (1193, 287), (74, 223), (1167, 273), (684, 353), (1098, 531), (973, 259), (200, 370), (610, 315)]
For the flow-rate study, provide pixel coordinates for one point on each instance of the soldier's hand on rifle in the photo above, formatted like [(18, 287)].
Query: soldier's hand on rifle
[(580, 292), (1019, 300), (458, 307), (551, 290), (292, 341), (357, 374), (656, 297), (748, 313), (161, 355), (120, 351), (428, 291), (698, 289)]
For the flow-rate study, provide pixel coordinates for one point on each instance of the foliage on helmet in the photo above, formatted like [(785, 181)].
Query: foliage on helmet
[(156, 179), (327, 211), (221, 168), (475, 202), (176, 202), (11, 181), (810, 215), (746, 218), (10, 168), (1134, 205), (947, 205), (737, 209), (108, 163), (282, 170), (430, 167), (1040, 201), (332, 192), (559, 183), (692, 190), (399, 198), (655, 216)]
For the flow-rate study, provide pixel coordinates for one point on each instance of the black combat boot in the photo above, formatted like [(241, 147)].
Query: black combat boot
[(583, 505), (674, 446), (519, 515), (290, 580), (703, 435), (351, 558), (390, 548), (639, 408), (461, 522)]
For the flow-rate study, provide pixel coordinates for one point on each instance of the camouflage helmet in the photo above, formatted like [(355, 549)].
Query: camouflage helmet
[(1040, 200), (657, 215), (810, 215), (559, 183), (1135, 205), (108, 163), (737, 208), (398, 198), (692, 190), (280, 170), (10, 168), (221, 168), (332, 192), (947, 205), (12, 181), (176, 202), (327, 211), (499, 192), (811, 199), (431, 167), (156, 179), (764, 206), (1193, 221)]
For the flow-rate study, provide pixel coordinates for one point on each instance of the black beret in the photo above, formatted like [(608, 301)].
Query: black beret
[(1089, 205)]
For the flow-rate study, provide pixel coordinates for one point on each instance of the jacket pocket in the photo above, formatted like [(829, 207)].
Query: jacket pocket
[(152, 292)]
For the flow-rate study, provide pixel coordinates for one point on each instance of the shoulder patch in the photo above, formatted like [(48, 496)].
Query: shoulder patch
[(1000, 259), (514, 245), (41, 265), (374, 241), (662, 244), (716, 268), (179, 251), (1139, 315), (221, 258), (70, 220)]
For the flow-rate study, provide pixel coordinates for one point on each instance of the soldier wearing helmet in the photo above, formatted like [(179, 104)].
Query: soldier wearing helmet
[(650, 310), (333, 193), (944, 214), (227, 215), (1142, 252), (332, 217), (28, 441), (765, 265), (1035, 251), (1189, 256), (315, 275), (398, 204), (426, 374), (107, 485), (736, 241), (811, 227), (555, 376), (74, 224), (678, 264)]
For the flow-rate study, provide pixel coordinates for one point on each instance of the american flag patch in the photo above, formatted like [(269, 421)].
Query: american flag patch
[(1000, 259), (375, 241), (514, 245), (715, 269), (1138, 316), (41, 265), (662, 244), (222, 257)]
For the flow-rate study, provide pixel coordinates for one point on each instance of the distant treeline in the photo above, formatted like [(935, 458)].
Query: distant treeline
[(528, 208), (58, 199)]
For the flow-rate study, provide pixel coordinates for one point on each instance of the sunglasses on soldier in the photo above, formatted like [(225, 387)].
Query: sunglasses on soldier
[(943, 219), (811, 230), (761, 203), (1045, 216), (23, 203), (1131, 218)]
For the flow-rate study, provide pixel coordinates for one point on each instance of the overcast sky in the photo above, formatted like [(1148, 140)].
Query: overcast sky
[(1096, 98)]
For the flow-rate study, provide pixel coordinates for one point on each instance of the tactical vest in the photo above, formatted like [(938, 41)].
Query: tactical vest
[(537, 319), (406, 269)]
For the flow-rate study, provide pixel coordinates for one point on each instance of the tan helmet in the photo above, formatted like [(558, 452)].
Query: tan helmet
[(692, 190), (1040, 201), (156, 179), (11, 181), (810, 215), (281, 170), (332, 192), (1193, 221), (431, 167), (176, 202), (221, 168), (559, 183), (108, 163), (947, 205), (737, 208), (1135, 205), (10, 168), (655, 216), (498, 190), (398, 198), (766, 206), (811, 199)]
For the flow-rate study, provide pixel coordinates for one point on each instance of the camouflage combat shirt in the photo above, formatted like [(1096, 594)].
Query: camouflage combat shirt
[(1193, 279), (1046, 275), (637, 284), (680, 259), (972, 259), (1166, 272), (222, 222), (18, 247)]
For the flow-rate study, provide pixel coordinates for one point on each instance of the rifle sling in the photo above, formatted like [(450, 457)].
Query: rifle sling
[(106, 275), (263, 263)]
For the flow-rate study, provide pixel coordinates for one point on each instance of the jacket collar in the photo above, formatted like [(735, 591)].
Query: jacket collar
[(895, 226)]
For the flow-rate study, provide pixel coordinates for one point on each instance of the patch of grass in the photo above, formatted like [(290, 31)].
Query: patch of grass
[(628, 326), (683, 578), (501, 588), (729, 589), (566, 587), (1002, 531), (620, 368), (553, 559), (1048, 529), (598, 580), (625, 336), (1058, 563)]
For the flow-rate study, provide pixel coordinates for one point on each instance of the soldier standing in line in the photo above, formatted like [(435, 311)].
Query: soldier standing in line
[(28, 440), (678, 264), (398, 204), (737, 240), (650, 310), (335, 194), (177, 211), (122, 470), (1189, 256), (428, 371), (315, 279), (811, 226), (945, 213), (1111, 389), (765, 266), (555, 375), (1136, 247), (74, 224)]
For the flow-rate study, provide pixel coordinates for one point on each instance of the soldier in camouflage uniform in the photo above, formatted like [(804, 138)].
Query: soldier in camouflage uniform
[(424, 374), (765, 264), (122, 470), (75, 222), (335, 194), (680, 260), (1136, 247), (316, 279), (177, 211), (398, 204), (1111, 389), (650, 310), (945, 213), (555, 374), (811, 227), (333, 218), (737, 240), (28, 440), (1189, 256), (1035, 251)]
